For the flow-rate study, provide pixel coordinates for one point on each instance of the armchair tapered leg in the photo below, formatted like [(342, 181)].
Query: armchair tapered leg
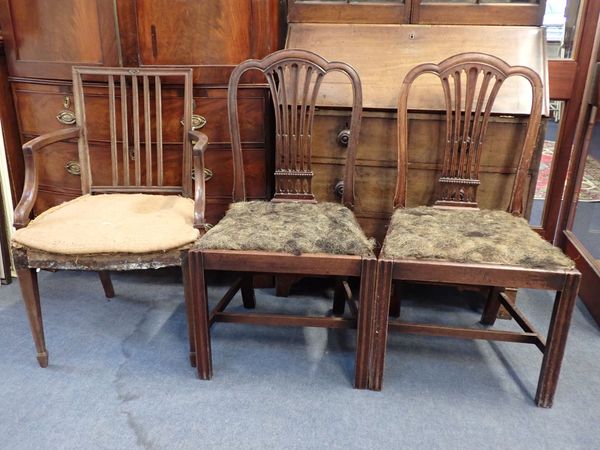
[(201, 316), (247, 288), (557, 340), (31, 297), (382, 296), (107, 285), (339, 297), (189, 307), (492, 306), (365, 322)]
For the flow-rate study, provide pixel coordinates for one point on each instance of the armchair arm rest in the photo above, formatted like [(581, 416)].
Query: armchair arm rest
[(201, 143), (30, 187)]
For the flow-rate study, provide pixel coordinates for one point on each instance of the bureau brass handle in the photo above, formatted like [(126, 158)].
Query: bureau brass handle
[(197, 121), (66, 117), (339, 189), (343, 138), (208, 174), (73, 168)]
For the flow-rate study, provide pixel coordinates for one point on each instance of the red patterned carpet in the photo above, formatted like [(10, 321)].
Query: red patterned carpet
[(590, 186)]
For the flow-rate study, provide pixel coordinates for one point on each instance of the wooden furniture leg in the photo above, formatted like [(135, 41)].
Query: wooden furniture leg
[(557, 339), (107, 285), (189, 306), (383, 291), (396, 299), (31, 296), (199, 299), (339, 297), (511, 294), (492, 306), (365, 322), (247, 288)]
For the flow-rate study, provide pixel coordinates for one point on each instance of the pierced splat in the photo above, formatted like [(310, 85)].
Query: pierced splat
[(467, 118), (294, 78), (470, 82)]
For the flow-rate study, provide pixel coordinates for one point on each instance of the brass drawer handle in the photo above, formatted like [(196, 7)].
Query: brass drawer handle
[(208, 174), (197, 121), (73, 168), (339, 189), (66, 117), (343, 138)]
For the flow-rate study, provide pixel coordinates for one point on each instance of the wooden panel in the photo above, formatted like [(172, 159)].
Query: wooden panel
[(383, 54), (477, 14), (561, 77), (38, 106), (213, 36), (212, 105), (398, 12), (45, 38)]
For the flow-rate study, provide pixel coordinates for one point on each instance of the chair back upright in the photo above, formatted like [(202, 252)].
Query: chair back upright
[(294, 78), (137, 123), (470, 82)]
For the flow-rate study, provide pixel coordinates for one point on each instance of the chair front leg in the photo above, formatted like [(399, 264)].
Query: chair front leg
[(383, 291), (31, 297), (365, 322), (557, 340), (201, 323), (189, 307)]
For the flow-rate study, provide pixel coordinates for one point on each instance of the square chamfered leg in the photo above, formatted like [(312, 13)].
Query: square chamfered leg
[(383, 292), (365, 322), (557, 340), (201, 322), (28, 283)]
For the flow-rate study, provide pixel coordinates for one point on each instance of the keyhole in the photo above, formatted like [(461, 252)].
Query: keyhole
[(411, 35)]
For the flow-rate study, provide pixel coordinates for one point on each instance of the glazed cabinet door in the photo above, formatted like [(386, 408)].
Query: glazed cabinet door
[(211, 35), (45, 38)]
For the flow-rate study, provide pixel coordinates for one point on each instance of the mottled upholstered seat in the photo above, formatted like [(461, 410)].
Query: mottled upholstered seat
[(469, 236), (290, 227), (112, 223)]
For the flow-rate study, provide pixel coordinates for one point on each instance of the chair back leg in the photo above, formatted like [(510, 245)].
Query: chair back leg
[(247, 288), (28, 283), (189, 307), (107, 285)]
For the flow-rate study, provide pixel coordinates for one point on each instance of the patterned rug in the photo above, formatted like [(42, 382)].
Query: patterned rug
[(590, 186)]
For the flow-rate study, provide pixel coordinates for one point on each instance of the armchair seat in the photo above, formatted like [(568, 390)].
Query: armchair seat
[(289, 227), (112, 223), (469, 236)]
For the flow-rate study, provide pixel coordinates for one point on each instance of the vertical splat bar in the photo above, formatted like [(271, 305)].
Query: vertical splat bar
[(294, 121), (148, 134), (304, 131), (114, 163), (449, 116), (457, 123), (285, 119), (486, 117), (475, 136), (136, 130), (465, 140), (125, 130), (159, 135)]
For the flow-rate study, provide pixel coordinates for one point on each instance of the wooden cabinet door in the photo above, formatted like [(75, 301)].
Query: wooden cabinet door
[(45, 38), (212, 34)]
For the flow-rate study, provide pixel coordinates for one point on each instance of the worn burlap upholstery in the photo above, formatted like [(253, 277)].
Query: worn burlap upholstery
[(289, 227), (469, 236), (112, 223)]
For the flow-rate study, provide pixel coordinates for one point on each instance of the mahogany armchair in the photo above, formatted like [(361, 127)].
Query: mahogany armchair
[(135, 215), (454, 242), (292, 234)]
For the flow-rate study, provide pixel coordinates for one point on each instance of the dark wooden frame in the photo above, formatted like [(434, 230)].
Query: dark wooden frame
[(294, 100), (492, 276), (27, 260), (323, 12)]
